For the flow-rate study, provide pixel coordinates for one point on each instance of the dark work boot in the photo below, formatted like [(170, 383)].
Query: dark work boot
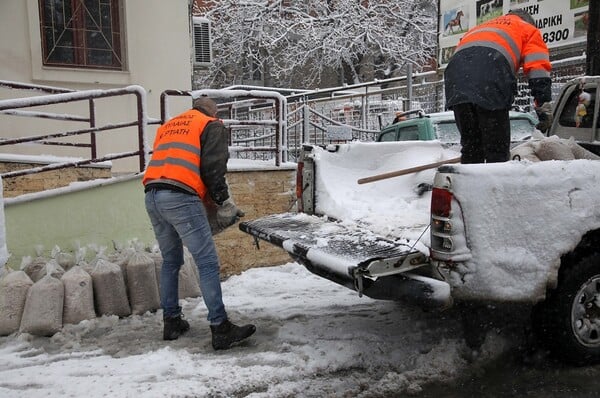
[(175, 326), (226, 333)]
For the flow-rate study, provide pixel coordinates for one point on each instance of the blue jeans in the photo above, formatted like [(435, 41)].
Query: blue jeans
[(179, 219)]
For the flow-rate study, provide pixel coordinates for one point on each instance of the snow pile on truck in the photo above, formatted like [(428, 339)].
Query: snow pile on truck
[(518, 228), (391, 207)]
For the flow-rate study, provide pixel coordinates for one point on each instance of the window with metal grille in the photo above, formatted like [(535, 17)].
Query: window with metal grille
[(81, 33), (202, 46)]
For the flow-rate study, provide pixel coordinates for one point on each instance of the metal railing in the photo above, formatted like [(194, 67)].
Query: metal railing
[(367, 107), (255, 119), (18, 107)]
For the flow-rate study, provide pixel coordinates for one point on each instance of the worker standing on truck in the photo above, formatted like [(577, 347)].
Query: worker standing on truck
[(481, 82)]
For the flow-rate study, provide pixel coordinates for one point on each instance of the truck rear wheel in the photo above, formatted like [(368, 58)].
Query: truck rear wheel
[(568, 322)]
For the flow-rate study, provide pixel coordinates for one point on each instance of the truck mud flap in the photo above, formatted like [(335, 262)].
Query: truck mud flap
[(344, 253)]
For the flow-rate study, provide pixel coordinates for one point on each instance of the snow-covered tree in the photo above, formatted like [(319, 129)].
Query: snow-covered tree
[(297, 43)]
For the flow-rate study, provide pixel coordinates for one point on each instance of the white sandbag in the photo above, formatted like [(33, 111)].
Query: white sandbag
[(141, 283), (35, 268), (79, 296), (524, 151), (40, 267), (53, 268), (553, 148), (87, 267), (110, 295), (13, 294), (64, 259), (42, 315), (121, 257), (81, 262), (189, 285)]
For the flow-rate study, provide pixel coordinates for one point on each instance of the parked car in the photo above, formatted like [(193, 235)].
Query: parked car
[(441, 126)]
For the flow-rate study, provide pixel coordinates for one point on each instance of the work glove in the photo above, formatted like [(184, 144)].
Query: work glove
[(228, 214), (544, 113)]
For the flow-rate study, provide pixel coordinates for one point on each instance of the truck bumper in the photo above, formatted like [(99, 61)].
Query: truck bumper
[(407, 287), (353, 257)]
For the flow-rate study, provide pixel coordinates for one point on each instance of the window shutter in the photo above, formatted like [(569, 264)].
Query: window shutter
[(202, 47)]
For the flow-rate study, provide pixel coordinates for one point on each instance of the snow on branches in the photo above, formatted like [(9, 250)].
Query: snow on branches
[(300, 43)]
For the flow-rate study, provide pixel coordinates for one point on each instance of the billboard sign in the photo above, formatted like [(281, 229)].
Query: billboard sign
[(562, 22)]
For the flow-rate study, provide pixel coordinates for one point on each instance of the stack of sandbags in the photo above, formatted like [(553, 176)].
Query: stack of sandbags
[(41, 297), (79, 296), (14, 287), (42, 315), (110, 293), (551, 148), (142, 286)]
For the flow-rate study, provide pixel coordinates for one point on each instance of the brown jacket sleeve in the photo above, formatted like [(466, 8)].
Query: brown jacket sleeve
[(214, 157)]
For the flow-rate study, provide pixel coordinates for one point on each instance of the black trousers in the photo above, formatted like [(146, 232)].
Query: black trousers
[(484, 134)]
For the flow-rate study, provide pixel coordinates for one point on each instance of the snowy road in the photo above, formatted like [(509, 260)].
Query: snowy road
[(314, 339)]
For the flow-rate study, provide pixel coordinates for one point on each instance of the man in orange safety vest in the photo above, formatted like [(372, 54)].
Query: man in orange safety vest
[(481, 83)]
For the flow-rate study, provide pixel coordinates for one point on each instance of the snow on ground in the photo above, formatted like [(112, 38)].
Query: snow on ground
[(314, 339)]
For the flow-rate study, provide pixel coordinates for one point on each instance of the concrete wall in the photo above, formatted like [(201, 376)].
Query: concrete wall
[(258, 193), (157, 53), (113, 211)]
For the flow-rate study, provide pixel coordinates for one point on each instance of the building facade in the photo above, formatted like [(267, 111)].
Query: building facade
[(89, 45)]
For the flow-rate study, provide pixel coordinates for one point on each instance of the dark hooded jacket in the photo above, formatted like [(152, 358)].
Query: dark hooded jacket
[(483, 69)]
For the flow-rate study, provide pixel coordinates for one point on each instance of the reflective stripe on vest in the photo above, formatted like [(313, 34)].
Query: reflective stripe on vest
[(518, 41), (177, 151)]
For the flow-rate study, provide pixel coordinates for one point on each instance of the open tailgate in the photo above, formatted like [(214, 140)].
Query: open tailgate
[(349, 255)]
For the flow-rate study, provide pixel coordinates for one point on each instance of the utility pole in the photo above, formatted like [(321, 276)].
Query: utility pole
[(592, 65)]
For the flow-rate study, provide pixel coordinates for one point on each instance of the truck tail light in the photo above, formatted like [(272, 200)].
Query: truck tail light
[(441, 202), (299, 188)]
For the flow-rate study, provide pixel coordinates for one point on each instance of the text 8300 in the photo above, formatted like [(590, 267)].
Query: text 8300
[(556, 35)]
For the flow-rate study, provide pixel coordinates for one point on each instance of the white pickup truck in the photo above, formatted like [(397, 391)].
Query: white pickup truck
[(517, 232)]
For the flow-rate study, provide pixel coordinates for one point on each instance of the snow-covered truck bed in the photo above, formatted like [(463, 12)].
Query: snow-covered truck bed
[(353, 257), (372, 237)]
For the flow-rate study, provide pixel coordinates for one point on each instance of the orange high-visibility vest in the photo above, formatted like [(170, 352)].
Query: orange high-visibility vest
[(177, 151), (520, 42)]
